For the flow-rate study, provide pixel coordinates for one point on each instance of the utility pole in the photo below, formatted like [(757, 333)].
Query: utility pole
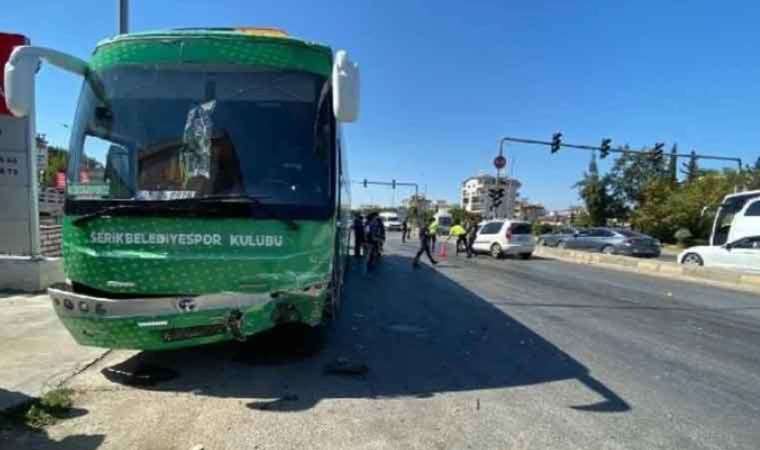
[(122, 19)]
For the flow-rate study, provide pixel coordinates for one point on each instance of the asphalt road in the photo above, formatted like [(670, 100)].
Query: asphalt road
[(470, 354)]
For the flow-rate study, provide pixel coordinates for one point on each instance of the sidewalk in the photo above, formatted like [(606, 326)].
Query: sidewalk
[(38, 353)]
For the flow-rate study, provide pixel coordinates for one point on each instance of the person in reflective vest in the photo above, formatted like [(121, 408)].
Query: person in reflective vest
[(433, 234), (460, 234)]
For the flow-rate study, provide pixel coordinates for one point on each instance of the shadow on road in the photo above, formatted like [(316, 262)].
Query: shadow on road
[(418, 332), (15, 434)]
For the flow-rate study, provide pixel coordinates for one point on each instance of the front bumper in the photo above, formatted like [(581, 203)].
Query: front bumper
[(160, 323), (516, 249)]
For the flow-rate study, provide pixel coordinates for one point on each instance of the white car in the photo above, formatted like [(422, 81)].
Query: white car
[(390, 220), (742, 254), (393, 225), (505, 237)]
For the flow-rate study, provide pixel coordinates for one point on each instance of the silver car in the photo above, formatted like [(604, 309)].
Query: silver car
[(613, 241), (561, 234)]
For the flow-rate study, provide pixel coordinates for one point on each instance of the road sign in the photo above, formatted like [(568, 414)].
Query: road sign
[(499, 162)]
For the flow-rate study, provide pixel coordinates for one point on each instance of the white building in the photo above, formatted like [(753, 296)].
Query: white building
[(525, 210), (420, 201), (475, 198)]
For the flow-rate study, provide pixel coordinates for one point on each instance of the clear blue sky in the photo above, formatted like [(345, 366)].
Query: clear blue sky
[(443, 80)]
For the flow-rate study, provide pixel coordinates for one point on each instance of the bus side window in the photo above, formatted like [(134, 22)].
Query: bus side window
[(753, 210)]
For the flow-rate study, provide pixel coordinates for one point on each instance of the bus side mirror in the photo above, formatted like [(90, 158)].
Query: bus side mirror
[(345, 84), (21, 69)]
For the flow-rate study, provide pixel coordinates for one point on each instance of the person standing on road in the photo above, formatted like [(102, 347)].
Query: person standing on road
[(424, 247), (404, 230), (380, 231), (433, 233), (460, 234), (358, 228), (472, 232)]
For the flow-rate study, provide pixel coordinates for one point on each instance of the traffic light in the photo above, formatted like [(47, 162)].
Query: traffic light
[(365, 183), (393, 184), (604, 150), (496, 194), (556, 142), (657, 153)]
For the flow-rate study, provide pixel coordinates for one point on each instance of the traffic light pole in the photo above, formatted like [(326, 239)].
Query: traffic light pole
[(505, 139), (393, 185)]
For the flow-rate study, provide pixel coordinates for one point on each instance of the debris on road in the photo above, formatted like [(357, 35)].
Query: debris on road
[(344, 366), (143, 375)]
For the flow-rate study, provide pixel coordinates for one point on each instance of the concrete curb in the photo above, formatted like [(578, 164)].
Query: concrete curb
[(26, 274), (717, 277)]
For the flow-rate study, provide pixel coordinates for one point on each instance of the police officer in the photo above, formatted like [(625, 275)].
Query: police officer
[(424, 247), (358, 228), (458, 232), (472, 232), (433, 233)]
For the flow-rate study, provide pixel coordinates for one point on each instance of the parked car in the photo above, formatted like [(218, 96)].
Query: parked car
[(553, 239), (613, 241), (505, 237), (742, 254)]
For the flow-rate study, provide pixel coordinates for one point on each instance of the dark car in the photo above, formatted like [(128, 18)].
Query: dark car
[(614, 241), (561, 234)]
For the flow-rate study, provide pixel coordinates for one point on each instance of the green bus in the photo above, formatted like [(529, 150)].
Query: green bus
[(207, 189)]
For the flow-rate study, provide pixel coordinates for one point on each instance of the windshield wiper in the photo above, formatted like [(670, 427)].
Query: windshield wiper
[(253, 200), (170, 205)]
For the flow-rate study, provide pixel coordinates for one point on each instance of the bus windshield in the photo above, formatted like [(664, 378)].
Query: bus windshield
[(725, 217), (161, 132)]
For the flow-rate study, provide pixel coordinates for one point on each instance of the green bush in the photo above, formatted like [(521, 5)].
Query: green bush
[(42, 412), (683, 237)]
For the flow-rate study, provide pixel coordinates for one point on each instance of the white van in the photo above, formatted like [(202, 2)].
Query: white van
[(505, 237), (444, 221), (390, 220)]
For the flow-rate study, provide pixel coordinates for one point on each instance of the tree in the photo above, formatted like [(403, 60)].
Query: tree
[(654, 217), (630, 175), (672, 171), (57, 161), (752, 176), (667, 209), (458, 215), (690, 168), (425, 215), (539, 228), (595, 192)]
